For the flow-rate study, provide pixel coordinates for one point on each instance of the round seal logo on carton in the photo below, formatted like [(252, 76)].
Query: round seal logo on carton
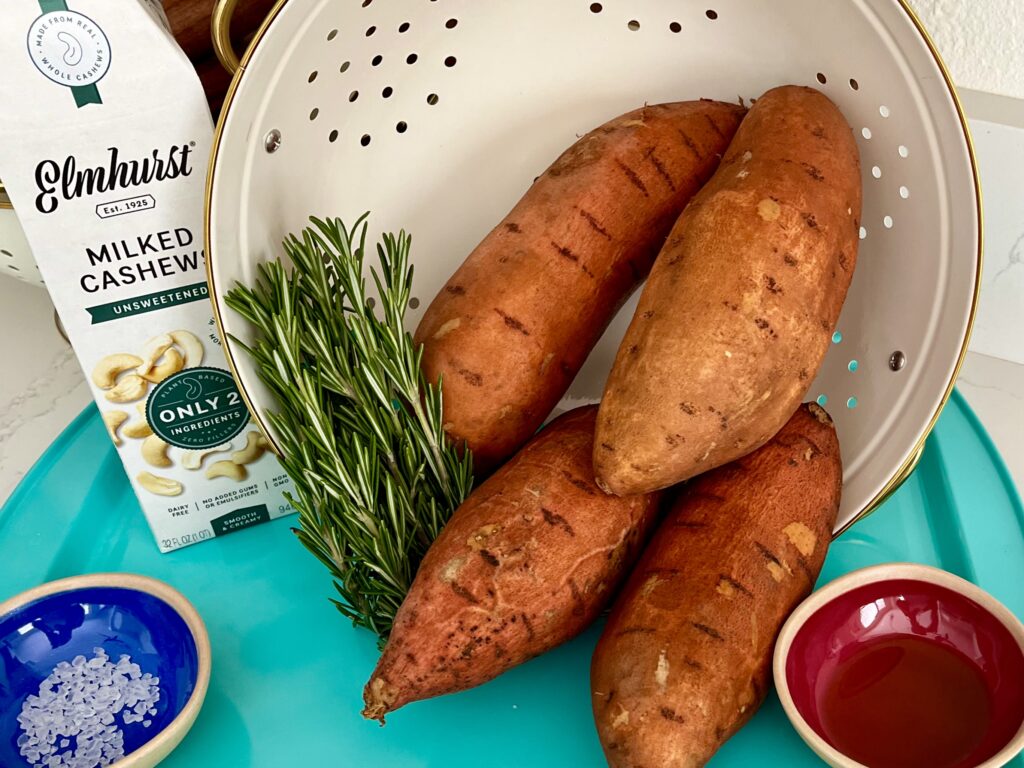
[(197, 408), (70, 49)]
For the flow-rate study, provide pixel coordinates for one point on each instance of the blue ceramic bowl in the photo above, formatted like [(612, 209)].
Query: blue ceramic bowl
[(124, 614)]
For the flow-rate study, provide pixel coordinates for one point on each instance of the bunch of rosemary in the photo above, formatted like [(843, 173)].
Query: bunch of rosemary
[(358, 424)]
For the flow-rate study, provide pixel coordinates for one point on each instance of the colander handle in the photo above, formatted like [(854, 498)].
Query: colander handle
[(220, 31)]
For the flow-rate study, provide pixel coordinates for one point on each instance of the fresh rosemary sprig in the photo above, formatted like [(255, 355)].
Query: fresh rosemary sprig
[(360, 428)]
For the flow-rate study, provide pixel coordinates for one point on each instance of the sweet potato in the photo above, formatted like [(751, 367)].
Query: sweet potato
[(684, 659), (738, 312), (526, 563), (513, 326)]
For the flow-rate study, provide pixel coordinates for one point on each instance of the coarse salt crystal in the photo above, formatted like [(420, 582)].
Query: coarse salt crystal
[(80, 700)]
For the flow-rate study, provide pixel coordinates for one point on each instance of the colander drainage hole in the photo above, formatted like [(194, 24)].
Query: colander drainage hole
[(402, 126), (822, 400), (904, 193), (353, 96), (370, 30), (876, 172), (377, 60), (851, 403), (821, 78), (432, 99), (865, 132), (711, 13), (312, 76), (386, 93), (450, 61), (332, 136), (888, 222), (883, 111), (332, 34), (676, 27), (904, 152), (411, 58), (863, 233), (414, 302), (634, 25), (596, 7), (837, 337), (365, 140), (451, 24), (403, 27), (314, 113), (854, 84), (344, 66), (852, 366), (366, 2)]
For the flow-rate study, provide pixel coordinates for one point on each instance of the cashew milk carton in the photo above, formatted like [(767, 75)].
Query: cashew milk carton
[(104, 140)]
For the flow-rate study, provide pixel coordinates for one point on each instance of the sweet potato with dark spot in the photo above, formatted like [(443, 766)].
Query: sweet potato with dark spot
[(685, 657), (513, 326), (739, 310), (526, 563)]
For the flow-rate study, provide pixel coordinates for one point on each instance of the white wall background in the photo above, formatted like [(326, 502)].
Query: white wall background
[(982, 41)]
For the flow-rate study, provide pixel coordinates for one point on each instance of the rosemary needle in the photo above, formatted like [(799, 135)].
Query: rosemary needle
[(359, 426)]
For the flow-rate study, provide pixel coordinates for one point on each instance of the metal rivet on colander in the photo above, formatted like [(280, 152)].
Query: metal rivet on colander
[(897, 360), (272, 141)]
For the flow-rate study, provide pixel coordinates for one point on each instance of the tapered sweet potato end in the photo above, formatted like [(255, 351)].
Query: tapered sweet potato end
[(608, 479), (612, 471), (618, 474), (379, 698)]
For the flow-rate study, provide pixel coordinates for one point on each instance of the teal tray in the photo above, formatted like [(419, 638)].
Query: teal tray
[(288, 670)]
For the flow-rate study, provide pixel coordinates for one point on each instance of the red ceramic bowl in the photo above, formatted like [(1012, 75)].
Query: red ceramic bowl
[(904, 666)]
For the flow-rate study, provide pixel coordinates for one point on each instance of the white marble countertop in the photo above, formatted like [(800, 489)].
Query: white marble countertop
[(42, 387)]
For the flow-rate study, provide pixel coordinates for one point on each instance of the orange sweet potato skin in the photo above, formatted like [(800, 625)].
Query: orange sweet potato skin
[(685, 657), (513, 326), (738, 312), (526, 563)]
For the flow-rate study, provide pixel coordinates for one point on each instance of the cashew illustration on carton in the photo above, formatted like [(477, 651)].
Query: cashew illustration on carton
[(107, 370), (169, 353), (161, 486), (154, 452), (227, 469), (191, 347), (73, 50), (255, 446), (113, 420), (194, 459), (128, 389), (138, 429), (171, 362), (152, 351)]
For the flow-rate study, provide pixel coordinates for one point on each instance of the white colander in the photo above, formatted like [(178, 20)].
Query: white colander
[(436, 115), (16, 259)]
